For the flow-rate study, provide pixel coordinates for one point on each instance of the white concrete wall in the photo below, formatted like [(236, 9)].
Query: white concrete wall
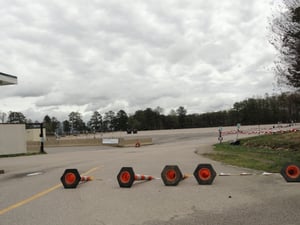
[(12, 139)]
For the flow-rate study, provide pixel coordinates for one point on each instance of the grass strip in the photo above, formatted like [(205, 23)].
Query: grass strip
[(266, 152)]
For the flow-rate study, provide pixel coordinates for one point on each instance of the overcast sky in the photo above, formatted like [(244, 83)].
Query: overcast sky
[(101, 55)]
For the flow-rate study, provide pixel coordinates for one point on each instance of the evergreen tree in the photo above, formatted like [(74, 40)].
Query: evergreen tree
[(95, 122)]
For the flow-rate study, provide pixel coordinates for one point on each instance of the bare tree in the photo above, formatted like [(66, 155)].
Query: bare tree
[(285, 28)]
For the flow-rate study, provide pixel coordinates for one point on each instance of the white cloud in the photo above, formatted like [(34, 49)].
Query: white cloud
[(112, 55)]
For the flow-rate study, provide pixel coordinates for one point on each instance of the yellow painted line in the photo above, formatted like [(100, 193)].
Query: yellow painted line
[(90, 171), (38, 195)]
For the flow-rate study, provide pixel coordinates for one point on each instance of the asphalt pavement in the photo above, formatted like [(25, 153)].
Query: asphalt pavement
[(31, 193)]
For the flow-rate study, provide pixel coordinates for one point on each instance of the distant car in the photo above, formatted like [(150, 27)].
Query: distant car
[(133, 131)]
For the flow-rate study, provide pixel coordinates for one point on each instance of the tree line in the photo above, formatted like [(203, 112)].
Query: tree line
[(283, 108)]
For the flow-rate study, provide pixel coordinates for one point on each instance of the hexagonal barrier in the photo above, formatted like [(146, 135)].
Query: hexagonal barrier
[(126, 177), (205, 174), (171, 175), (291, 172), (137, 144), (71, 178)]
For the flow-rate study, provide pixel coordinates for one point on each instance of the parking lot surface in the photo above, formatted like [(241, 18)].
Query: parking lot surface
[(31, 192)]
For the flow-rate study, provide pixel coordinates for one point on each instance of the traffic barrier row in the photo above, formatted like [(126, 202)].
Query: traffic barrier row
[(171, 175), (263, 131)]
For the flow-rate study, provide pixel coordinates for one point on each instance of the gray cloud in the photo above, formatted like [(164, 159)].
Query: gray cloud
[(112, 55)]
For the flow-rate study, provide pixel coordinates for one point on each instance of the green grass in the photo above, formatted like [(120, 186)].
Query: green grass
[(267, 152)]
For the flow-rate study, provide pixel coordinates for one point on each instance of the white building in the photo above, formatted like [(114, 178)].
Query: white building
[(12, 136)]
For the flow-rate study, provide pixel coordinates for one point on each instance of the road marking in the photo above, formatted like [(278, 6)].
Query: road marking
[(90, 171), (38, 195), (34, 174)]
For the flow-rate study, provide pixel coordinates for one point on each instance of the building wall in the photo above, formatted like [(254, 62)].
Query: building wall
[(12, 139)]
